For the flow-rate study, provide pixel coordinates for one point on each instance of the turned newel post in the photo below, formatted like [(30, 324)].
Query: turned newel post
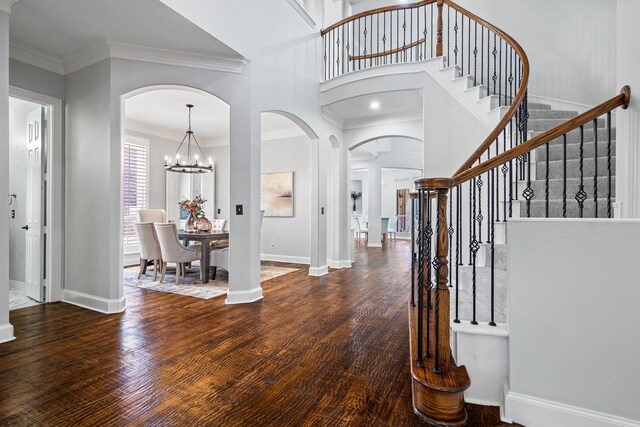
[(440, 25)]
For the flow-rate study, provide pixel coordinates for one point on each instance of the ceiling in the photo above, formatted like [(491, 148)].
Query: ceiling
[(396, 105), (373, 149), (164, 113), (61, 27)]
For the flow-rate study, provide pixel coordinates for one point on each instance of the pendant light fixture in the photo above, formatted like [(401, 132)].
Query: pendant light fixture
[(189, 164)]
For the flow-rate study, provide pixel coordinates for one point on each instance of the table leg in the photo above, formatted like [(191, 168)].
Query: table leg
[(205, 262)]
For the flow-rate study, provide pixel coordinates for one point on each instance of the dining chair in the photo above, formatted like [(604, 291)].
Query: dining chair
[(149, 248), (392, 228), (152, 215), (362, 229), (172, 250), (219, 259)]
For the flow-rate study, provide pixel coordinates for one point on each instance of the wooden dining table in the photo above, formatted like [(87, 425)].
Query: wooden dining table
[(205, 239)]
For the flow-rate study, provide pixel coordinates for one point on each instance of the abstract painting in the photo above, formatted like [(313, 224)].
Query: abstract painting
[(276, 194)]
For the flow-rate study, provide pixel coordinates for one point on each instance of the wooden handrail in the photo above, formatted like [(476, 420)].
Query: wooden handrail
[(516, 101), (374, 12), (621, 100), (388, 52)]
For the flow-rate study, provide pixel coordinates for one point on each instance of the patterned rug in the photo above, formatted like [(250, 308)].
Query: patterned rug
[(190, 285)]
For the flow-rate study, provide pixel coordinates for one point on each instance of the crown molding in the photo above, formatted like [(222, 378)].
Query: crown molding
[(112, 48), (36, 57), (302, 12), (169, 135), (5, 5)]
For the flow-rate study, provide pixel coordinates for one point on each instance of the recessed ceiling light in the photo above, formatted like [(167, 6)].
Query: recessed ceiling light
[(375, 105)]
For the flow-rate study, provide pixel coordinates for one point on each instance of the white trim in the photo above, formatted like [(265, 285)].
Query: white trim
[(112, 48), (333, 118), (500, 330), (37, 58), (532, 411), (374, 245), (340, 264), (559, 104), (55, 202), (92, 302), (6, 333), (282, 134), (5, 6), (244, 297), (17, 285), (286, 258), (318, 271), (302, 12)]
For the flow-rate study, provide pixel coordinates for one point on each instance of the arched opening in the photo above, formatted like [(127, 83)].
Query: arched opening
[(156, 126), (381, 175), (290, 191)]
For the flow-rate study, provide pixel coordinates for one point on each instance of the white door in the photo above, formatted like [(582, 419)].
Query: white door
[(34, 282)]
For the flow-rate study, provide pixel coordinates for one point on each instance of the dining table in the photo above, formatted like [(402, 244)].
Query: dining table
[(204, 239)]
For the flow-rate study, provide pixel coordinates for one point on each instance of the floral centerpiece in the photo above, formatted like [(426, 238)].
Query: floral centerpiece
[(196, 220), (355, 195)]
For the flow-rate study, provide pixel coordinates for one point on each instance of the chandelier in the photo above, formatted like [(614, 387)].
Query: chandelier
[(188, 164)]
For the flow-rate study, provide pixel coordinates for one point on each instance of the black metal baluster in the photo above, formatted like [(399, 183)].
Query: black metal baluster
[(428, 267), (495, 71), (609, 213), (489, 200), (479, 217), (397, 36), (448, 36), (564, 175), (505, 169), (371, 42), (481, 54), (424, 33), (581, 195), (324, 49), (458, 244), (437, 265), (404, 35), (546, 183), (475, 55), (455, 34), (471, 220), (413, 251), (451, 231), (431, 29), (493, 257), (499, 74), (377, 38), (364, 51), (462, 45), (421, 230), (474, 245), (469, 47), (595, 166)]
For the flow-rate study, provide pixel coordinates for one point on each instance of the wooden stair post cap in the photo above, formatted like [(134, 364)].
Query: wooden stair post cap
[(433, 183)]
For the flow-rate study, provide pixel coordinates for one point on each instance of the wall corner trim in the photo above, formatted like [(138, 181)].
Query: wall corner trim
[(318, 271), (244, 297), (92, 302)]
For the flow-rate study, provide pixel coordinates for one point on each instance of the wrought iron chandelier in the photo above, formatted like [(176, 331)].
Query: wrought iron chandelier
[(188, 164)]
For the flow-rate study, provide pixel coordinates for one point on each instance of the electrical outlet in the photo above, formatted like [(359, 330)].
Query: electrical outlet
[(321, 211), (238, 209), (218, 211), (13, 214)]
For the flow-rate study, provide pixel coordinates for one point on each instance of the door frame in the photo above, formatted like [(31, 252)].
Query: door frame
[(54, 251)]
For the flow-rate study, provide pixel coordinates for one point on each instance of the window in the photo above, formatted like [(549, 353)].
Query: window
[(135, 188)]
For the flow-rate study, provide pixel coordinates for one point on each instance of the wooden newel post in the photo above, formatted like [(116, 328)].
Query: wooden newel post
[(440, 26), (441, 297)]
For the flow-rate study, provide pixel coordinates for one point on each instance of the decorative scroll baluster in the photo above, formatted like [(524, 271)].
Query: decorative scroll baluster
[(455, 36), (451, 231), (458, 245), (414, 244), (428, 239), (475, 55), (581, 195), (474, 246), (595, 166), (421, 231), (479, 217), (564, 175), (546, 182)]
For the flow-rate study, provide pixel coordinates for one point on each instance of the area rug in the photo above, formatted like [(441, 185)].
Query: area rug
[(190, 285)]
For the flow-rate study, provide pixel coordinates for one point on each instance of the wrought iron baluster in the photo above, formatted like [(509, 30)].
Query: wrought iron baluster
[(324, 49), (431, 29), (421, 231), (581, 195), (458, 244), (437, 263), (489, 200), (546, 182), (609, 212), (469, 47), (377, 38), (474, 246), (448, 38), (413, 251), (451, 231), (499, 73), (479, 217), (495, 71), (424, 33), (428, 271), (404, 35), (564, 175), (493, 257), (595, 166), (455, 34), (475, 55)]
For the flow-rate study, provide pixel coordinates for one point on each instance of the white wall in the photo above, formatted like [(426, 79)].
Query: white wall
[(220, 156), (628, 121), (36, 79), (288, 239), (571, 44), (573, 319)]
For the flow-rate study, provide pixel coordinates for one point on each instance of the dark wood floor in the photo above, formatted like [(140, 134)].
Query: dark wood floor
[(316, 351)]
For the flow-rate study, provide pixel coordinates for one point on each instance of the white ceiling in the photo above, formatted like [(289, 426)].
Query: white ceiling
[(62, 27), (396, 105), (372, 149), (164, 113)]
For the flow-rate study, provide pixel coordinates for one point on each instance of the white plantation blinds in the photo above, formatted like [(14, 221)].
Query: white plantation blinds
[(135, 188)]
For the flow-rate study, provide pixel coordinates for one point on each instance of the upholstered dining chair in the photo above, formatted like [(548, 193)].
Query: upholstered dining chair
[(152, 215), (173, 250), (219, 259), (362, 229), (149, 248), (392, 227)]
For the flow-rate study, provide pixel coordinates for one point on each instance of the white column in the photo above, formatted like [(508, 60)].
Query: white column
[(6, 329), (344, 206), (375, 205), (244, 229), (318, 265), (627, 203)]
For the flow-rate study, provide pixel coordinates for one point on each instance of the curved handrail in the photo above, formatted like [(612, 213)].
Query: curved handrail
[(388, 52), (517, 99), (374, 12), (621, 100)]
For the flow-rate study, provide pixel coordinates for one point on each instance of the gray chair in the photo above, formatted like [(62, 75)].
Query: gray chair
[(149, 248), (173, 250)]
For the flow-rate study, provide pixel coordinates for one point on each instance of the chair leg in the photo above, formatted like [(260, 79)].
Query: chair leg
[(163, 268), (143, 263), (155, 270), (213, 275), (178, 268)]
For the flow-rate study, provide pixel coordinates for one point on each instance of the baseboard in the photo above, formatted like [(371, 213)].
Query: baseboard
[(244, 297), (6, 333), (532, 411), (374, 245), (559, 104), (131, 259), (340, 264), (285, 258), (16, 285), (318, 271), (92, 302)]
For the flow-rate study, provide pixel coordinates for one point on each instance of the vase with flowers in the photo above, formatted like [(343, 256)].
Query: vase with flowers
[(194, 208), (355, 195)]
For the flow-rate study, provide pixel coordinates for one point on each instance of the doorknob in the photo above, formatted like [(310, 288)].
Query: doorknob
[(26, 227)]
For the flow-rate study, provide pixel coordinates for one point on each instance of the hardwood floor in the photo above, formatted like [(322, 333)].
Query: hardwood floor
[(316, 351)]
